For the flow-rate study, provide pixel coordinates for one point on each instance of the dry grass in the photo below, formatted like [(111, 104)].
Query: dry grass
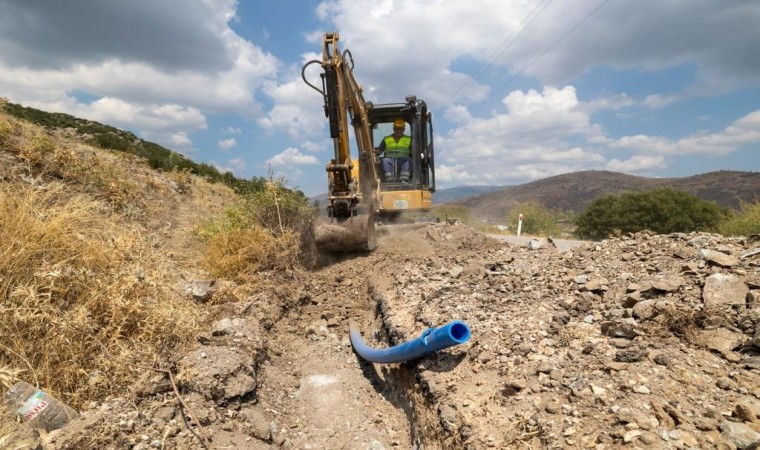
[(81, 294), (92, 244), (8, 377), (687, 322), (240, 254), (107, 175)]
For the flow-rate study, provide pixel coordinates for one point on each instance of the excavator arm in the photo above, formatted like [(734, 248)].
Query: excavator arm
[(353, 186)]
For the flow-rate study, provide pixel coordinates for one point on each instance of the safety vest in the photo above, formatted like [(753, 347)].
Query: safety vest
[(399, 149)]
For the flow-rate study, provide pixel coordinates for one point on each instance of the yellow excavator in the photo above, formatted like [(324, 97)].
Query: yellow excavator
[(360, 195)]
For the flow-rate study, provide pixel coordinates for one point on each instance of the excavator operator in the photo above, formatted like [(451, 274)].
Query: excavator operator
[(396, 149)]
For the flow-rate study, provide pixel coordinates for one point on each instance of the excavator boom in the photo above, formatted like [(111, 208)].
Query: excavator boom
[(357, 197), (352, 195)]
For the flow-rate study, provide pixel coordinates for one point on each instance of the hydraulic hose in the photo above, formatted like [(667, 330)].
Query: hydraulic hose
[(431, 341)]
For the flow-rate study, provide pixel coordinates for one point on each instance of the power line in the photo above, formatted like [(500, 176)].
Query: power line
[(508, 41), (549, 48)]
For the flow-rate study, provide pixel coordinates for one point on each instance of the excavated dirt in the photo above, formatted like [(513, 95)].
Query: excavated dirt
[(643, 341)]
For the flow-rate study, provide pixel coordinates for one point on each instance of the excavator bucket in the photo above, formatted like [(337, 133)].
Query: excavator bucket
[(348, 235)]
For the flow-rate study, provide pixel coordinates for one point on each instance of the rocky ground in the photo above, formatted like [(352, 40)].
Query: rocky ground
[(642, 341)]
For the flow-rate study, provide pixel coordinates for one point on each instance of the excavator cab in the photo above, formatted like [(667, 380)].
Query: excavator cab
[(398, 195)]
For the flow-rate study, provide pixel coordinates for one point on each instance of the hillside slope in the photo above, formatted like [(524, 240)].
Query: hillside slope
[(574, 191)]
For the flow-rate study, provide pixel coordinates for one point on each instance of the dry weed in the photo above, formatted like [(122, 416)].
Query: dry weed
[(8, 376), (240, 254), (80, 293), (102, 173), (686, 322)]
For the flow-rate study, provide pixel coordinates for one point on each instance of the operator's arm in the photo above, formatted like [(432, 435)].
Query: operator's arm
[(380, 149)]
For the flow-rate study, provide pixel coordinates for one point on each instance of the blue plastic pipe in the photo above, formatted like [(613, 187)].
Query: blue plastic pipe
[(431, 341)]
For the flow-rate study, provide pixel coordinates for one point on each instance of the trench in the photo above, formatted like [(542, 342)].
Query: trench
[(394, 391), (403, 381)]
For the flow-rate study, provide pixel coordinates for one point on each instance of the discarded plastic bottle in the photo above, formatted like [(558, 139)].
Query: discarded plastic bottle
[(38, 408)]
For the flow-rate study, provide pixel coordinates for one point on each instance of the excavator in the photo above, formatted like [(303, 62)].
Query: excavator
[(361, 197)]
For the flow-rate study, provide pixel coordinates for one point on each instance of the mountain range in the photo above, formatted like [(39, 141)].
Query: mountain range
[(573, 192)]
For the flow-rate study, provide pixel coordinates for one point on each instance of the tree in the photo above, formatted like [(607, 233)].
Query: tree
[(663, 210)]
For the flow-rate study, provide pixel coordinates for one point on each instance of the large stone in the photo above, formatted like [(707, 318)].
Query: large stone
[(722, 289), (667, 282), (739, 434), (721, 339), (718, 258)]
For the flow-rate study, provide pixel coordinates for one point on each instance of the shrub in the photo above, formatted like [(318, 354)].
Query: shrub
[(663, 210), (537, 220), (745, 223), (271, 228)]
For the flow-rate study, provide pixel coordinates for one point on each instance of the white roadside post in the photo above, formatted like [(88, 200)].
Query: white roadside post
[(519, 224)]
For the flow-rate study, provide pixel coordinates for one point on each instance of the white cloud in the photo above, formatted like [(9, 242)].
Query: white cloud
[(298, 110), (234, 166), (207, 66), (292, 157), (226, 144), (646, 35), (742, 132), (638, 163), (232, 130)]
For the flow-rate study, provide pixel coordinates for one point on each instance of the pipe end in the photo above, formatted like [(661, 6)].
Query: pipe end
[(459, 332)]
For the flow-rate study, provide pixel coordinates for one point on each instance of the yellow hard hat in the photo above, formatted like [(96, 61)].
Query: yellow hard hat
[(399, 123)]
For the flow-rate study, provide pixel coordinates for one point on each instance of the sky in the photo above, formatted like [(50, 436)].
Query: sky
[(519, 89)]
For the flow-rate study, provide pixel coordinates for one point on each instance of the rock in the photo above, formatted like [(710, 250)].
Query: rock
[(746, 412), (739, 434), (260, 425), (629, 355), (720, 339), (219, 373), (705, 423), (449, 417), (644, 310), (663, 359), (620, 329), (724, 290), (597, 284), (203, 289), (667, 282), (630, 436), (718, 258)]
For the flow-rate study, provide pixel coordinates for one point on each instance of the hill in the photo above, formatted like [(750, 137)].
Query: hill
[(462, 192), (572, 192), (111, 138)]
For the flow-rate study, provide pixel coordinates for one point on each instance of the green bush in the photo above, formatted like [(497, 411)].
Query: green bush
[(746, 223), (537, 220), (663, 210)]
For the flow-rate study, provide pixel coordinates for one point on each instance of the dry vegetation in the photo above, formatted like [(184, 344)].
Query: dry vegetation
[(92, 247)]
